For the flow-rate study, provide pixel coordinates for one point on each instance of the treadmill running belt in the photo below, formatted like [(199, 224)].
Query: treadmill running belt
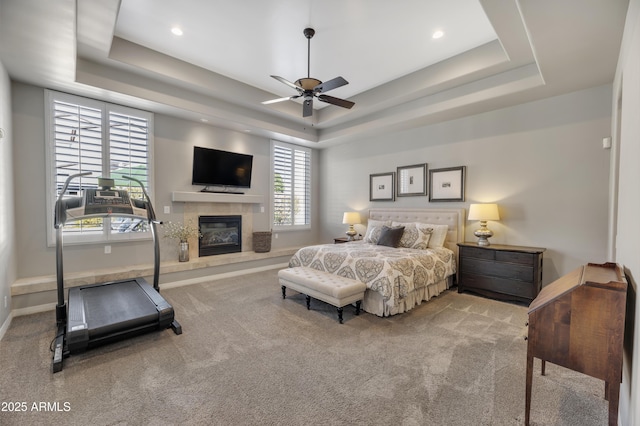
[(114, 307)]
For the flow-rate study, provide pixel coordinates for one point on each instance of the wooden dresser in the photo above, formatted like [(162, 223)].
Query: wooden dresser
[(577, 322), (501, 271)]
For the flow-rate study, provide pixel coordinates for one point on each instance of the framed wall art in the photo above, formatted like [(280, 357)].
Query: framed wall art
[(447, 184), (411, 180), (381, 186)]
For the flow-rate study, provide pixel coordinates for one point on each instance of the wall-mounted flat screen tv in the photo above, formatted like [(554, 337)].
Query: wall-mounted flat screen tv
[(213, 167)]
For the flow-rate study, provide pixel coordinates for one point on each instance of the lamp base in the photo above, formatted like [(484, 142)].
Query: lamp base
[(483, 234), (351, 233)]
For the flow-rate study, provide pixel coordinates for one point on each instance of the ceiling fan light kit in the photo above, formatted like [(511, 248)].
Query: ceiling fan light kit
[(308, 87)]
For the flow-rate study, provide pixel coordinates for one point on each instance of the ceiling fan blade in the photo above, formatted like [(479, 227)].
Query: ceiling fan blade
[(336, 101), (273, 101), (330, 85), (307, 107), (287, 82)]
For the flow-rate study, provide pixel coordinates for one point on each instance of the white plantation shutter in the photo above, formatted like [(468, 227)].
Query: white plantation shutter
[(291, 180), (109, 141), (77, 138), (129, 151), (78, 143)]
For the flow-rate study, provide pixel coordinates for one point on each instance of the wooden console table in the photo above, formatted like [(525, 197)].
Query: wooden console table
[(577, 322)]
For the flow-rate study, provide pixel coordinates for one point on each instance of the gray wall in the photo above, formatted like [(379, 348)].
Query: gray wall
[(34, 256), (626, 199), (542, 162), (7, 229), (174, 139)]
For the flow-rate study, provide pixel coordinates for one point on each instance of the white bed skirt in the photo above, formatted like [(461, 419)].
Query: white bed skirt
[(375, 304)]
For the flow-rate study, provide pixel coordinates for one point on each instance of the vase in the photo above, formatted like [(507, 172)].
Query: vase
[(183, 251)]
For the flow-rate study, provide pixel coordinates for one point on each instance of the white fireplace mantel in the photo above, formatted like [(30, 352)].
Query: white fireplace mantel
[(209, 197)]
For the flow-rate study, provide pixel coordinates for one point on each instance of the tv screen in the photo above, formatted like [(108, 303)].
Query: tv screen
[(223, 168)]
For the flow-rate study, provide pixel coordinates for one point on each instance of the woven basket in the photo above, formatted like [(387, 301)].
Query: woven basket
[(262, 241)]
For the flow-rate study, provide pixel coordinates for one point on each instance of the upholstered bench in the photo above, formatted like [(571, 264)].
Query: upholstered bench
[(333, 289)]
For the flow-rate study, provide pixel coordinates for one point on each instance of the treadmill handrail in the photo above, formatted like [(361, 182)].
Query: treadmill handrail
[(151, 214), (58, 214), (68, 181), (152, 224)]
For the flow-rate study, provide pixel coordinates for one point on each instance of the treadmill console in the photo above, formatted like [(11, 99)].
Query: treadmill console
[(106, 202)]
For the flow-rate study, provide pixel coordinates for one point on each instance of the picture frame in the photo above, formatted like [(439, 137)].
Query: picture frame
[(411, 180), (382, 186), (447, 184)]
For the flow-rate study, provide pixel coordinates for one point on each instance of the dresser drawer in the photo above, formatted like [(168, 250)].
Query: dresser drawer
[(477, 253), (515, 257), (510, 271), (519, 289)]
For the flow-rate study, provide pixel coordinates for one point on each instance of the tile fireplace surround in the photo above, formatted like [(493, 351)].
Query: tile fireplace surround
[(193, 210)]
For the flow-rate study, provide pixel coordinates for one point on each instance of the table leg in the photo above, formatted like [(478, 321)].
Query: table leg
[(527, 409)]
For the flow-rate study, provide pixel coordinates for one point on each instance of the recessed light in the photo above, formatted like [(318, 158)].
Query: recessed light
[(204, 120), (437, 34), (176, 31)]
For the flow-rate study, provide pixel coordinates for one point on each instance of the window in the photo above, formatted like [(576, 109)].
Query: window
[(86, 135), (291, 180)]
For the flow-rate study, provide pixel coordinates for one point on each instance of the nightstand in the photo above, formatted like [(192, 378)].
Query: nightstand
[(340, 240), (501, 271)]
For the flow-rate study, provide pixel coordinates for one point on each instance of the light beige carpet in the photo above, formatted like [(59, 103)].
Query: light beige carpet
[(248, 357)]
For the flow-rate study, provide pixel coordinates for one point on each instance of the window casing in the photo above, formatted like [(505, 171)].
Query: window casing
[(85, 135), (291, 186)]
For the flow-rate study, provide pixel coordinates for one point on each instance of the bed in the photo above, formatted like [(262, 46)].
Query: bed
[(397, 279)]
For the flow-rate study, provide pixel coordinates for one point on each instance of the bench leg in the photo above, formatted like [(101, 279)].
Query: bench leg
[(308, 302), (340, 315), (358, 303), (284, 292)]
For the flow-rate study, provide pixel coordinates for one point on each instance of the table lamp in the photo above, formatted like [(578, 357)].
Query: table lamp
[(483, 213), (351, 218)]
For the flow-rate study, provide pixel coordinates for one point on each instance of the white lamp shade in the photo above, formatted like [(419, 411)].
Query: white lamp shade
[(483, 212), (351, 218)]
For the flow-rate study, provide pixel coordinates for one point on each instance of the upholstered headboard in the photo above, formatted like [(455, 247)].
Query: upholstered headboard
[(455, 218)]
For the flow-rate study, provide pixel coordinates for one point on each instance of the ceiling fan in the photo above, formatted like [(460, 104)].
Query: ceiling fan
[(308, 87)]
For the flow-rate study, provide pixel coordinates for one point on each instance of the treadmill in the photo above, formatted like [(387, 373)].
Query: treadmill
[(102, 313)]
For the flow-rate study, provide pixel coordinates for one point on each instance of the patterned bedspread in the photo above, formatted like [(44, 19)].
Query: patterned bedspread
[(393, 272)]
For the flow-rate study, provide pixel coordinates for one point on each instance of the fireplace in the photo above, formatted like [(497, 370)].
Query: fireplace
[(220, 234)]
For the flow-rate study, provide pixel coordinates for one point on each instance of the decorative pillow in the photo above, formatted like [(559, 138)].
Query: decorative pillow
[(438, 236), (390, 237), (374, 227), (416, 235)]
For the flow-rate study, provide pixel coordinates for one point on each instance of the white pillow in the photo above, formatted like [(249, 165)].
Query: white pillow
[(416, 235), (438, 236), (374, 228)]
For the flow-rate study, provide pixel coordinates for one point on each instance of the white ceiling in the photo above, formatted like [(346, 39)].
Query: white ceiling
[(360, 40), (494, 53)]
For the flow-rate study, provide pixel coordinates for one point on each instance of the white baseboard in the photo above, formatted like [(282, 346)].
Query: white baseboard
[(5, 325), (51, 306)]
